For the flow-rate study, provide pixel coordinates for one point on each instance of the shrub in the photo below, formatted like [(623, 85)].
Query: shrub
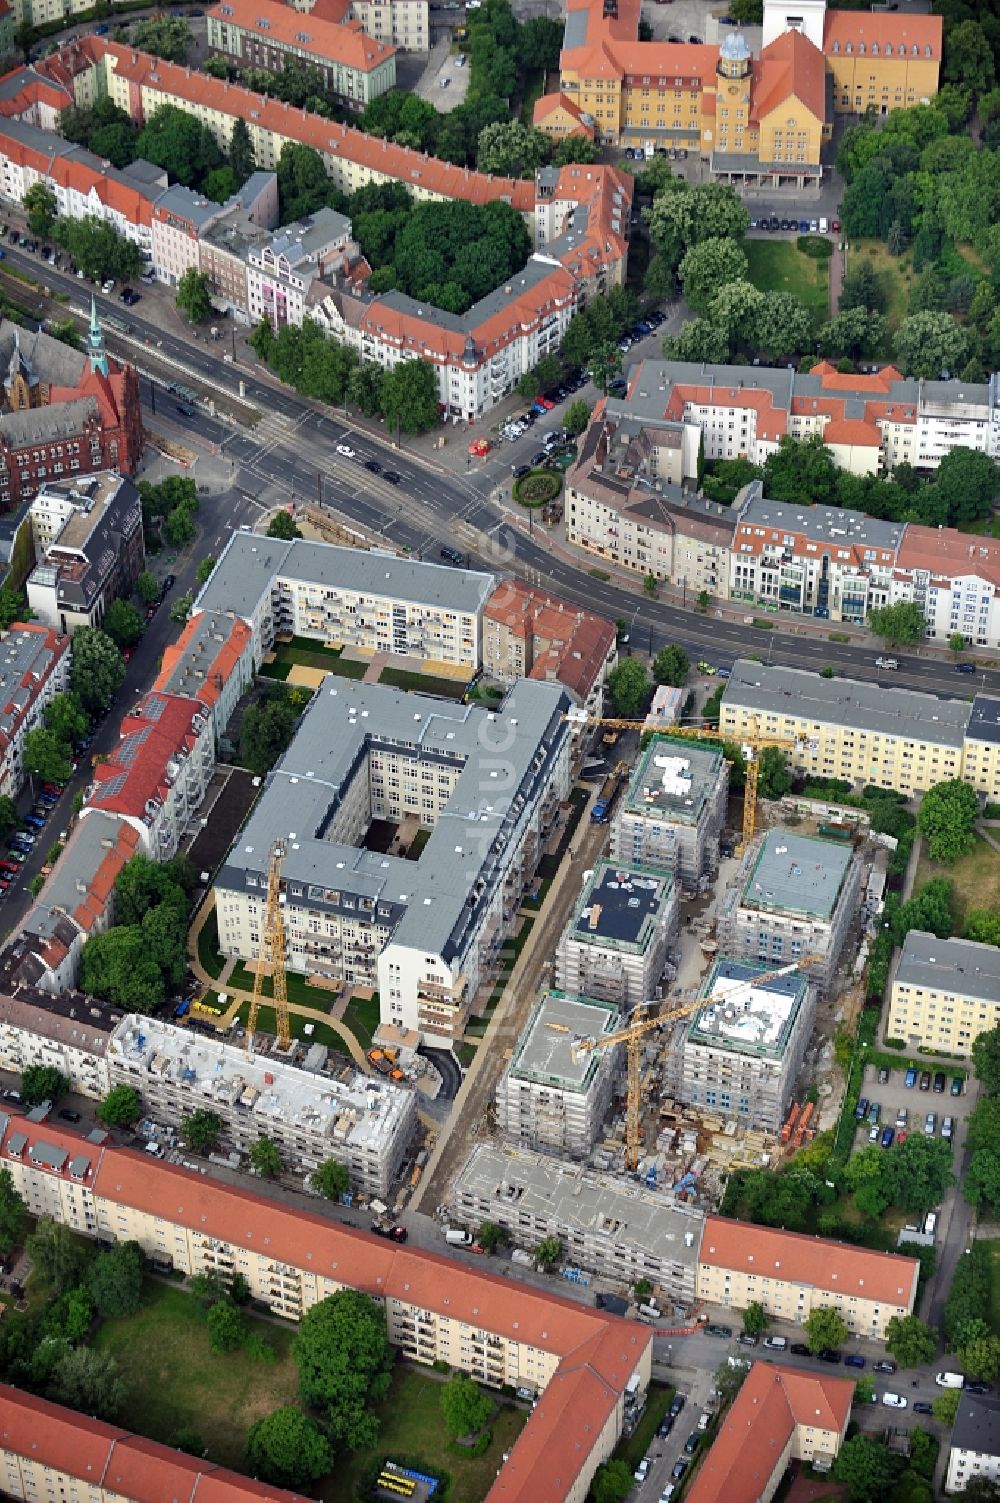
[(816, 246), (537, 488)]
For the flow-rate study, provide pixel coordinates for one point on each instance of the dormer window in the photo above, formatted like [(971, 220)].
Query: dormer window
[(836, 46), (874, 49), (927, 51), (849, 47), (861, 48), (915, 50)]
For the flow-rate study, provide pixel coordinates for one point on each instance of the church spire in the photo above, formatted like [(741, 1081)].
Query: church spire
[(98, 355)]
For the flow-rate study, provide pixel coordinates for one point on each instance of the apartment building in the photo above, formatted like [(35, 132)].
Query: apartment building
[(90, 548), (68, 1032), (402, 23), (794, 896), (158, 774), (427, 932), (212, 662), (672, 813), (555, 1095), (981, 748), (260, 34), (781, 1414), (791, 1274), (945, 993), (855, 730), (618, 1229), (530, 633), (955, 580), (588, 1368), (343, 597), (34, 668), (367, 1125), (975, 1441), (742, 1059), (76, 902), (615, 944), (287, 273), (631, 497)]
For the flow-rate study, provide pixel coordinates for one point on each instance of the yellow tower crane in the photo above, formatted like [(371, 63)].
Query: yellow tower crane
[(631, 1036), (751, 742), (272, 954)]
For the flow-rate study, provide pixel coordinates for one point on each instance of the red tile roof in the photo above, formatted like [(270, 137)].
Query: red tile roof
[(949, 554), (789, 67), (549, 104), (854, 431), (888, 30), (855, 1272), (754, 1436), (563, 642), (328, 41), (158, 730)]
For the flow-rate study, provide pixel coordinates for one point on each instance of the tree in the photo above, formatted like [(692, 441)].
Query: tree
[(97, 248), (697, 340), (241, 153), (981, 1489), (927, 343), (114, 1280), (577, 417), (144, 884), (282, 525), (45, 756), (781, 327), (13, 1217), (168, 37), (605, 365), (205, 570), (181, 607), (123, 623), (42, 1083), (910, 1341), (344, 1362), (511, 149), (628, 686), (980, 1359), (266, 731), (864, 1389), (671, 665), (89, 1381), (946, 819), (147, 588), (755, 1321), (547, 1253), (9, 817), (825, 1329), (491, 1236), (802, 471), (986, 1059), (464, 1407), (774, 779), (969, 59), (982, 925), (410, 396), (40, 202), (856, 332), (946, 1406), (202, 1130), (865, 1467), (331, 1179), (57, 1254), (121, 1107), (97, 668), (966, 485), (65, 717), (708, 266), (226, 1330), (13, 607), (735, 308), (194, 295), (179, 528), (613, 1481), (729, 1379), (265, 1157), (180, 144), (288, 1448), (899, 625)]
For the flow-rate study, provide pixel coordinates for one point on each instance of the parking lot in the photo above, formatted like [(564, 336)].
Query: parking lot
[(892, 1095)]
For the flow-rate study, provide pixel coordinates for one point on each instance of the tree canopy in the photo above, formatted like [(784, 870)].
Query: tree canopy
[(114, 1280), (288, 1448), (121, 1107), (42, 1083), (344, 1360), (464, 1406), (910, 1341), (899, 625), (628, 686), (946, 819), (13, 1216), (825, 1329), (97, 669)]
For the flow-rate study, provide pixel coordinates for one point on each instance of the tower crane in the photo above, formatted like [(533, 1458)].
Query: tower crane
[(632, 1034), (272, 953), (752, 741)]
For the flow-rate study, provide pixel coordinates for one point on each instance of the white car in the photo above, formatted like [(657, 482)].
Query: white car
[(347, 451), (109, 286), (668, 1492), (893, 1401), (642, 1470)]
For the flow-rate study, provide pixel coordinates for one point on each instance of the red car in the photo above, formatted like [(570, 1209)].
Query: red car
[(127, 654), (9, 866), (55, 788), (836, 225), (546, 403)]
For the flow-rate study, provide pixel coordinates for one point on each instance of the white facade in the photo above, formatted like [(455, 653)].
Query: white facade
[(399, 23), (968, 604), (34, 668), (68, 1033)]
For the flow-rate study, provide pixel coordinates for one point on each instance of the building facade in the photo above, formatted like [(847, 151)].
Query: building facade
[(68, 1032), (975, 1446), (791, 1275), (90, 549), (34, 668), (529, 633), (794, 896), (672, 813), (260, 34), (944, 994), (553, 1095), (615, 943)]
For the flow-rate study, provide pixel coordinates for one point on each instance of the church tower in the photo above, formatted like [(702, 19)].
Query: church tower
[(96, 353)]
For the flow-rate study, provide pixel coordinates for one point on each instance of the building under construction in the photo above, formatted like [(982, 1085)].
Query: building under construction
[(741, 1059), (552, 1094), (673, 811), (615, 944), (311, 1112)]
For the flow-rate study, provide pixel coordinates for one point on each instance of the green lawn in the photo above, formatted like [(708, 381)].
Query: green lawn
[(973, 878), (208, 946), (361, 1016), (176, 1381), (321, 1033), (423, 683), (416, 845), (298, 988), (779, 266), (412, 1430), (994, 1248), (895, 275), (638, 1443)]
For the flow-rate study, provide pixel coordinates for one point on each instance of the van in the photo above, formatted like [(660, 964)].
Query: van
[(775, 1343), (949, 1380), (457, 1238), (930, 1222), (823, 226)]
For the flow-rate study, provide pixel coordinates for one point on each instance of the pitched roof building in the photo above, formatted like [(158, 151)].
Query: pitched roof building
[(90, 547), (261, 34), (34, 667), (528, 633)]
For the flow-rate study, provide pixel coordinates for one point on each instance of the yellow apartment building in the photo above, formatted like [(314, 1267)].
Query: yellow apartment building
[(945, 993)]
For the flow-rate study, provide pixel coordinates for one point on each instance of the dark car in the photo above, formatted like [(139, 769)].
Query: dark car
[(680, 1467), (520, 469), (965, 667), (676, 1405), (854, 1359), (956, 1085), (185, 409), (452, 556), (392, 477), (883, 1367), (939, 1082), (973, 1387), (169, 583), (799, 1349), (725, 1332), (374, 466), (829, 1355), (67, 1116), (695, 41), (692, 1443), (883, 1076), (666, 1425), (921, 1408), (925, 1080), (861, 1110), (888, 1136)]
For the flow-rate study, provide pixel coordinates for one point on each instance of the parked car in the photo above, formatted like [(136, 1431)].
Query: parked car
[(888, 1135), (893, 1401), (901, 1117), (883, 1076), (925, 1080), (67, 1116), (680, 1467), (692, 1443), (884, 1367), (665, 1427), (930, 1124), (854, 1359), (947, 1128), (939, 1082), (391, 476), (920, 1407), (746, 1339), (965, 667), (677, 1404), (725, 1332), (373, 466), (828, 1354), (642, 1470), (972, 1386), (910, 1079), (776, 1343), (799, 1349), (957, 1085), (874, 1113)]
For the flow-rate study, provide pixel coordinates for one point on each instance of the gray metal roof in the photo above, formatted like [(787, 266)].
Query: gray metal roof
[(950, 965), (47, 358), (977, 1424), (828, 524), (777, 690), (672, 780), (426, 901), (797, 874), (575, 30), (547, 1051), (21, 652), (984, 722), (186, 204), (37, 425), (71, 877), (250, 565)]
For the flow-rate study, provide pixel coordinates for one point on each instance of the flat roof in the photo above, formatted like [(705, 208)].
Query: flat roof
[(797, 874), (950, 965), (621, 907), (977, 1424), (833, 524), (673, 779), (555, 1194), (546, 1052), (796, 692), (761, 1019), (350, 1109), (984, 722)]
